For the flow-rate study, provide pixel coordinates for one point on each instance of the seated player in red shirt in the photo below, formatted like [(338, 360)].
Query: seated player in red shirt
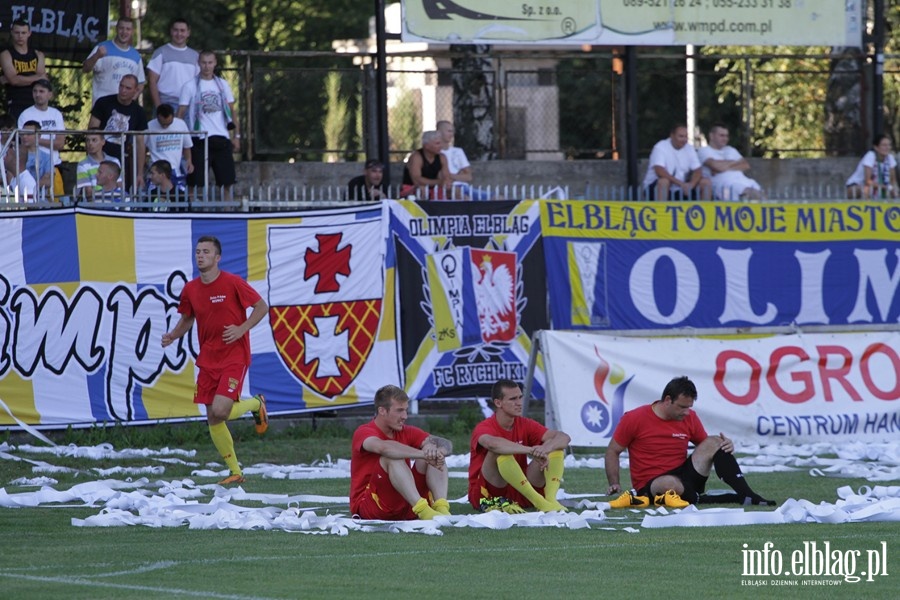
[(657, 437), (383, 483), (500, 476)]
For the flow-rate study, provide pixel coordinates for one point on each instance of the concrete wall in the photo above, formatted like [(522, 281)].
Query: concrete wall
[(578, 175)]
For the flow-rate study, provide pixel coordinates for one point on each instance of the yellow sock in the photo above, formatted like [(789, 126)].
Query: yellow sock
[(553, 474), (513, 475), (224, 443), (243, 407), (423, 511), (441, 506)]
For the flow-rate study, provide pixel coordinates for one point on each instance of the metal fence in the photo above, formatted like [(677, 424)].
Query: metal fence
[(319, 106), (289, 198)]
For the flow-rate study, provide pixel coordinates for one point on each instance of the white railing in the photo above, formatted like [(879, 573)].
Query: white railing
[(10, 192)]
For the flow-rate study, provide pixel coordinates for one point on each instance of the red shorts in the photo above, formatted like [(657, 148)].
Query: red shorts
[(381, 501), (226, 381), (509, 492)]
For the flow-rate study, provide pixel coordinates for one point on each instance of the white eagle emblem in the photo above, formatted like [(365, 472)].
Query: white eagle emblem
[(494, 295)]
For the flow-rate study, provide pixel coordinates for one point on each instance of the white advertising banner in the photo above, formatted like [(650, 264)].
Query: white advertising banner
[(635, 22), (794, 388)]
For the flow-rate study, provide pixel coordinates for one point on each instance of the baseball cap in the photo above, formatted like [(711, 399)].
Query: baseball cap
[(374, 163)]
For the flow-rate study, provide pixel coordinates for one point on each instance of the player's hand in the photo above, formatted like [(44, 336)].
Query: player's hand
[(727, 445), (433, 456), (614, 488), (167, 339), (232, 333), (101, 51)]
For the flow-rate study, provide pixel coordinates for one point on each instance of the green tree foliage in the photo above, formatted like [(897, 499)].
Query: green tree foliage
[(336, 122), (405, 125), (592, 99), (587, 95), (801, 105), (279, 84), (788, 94), (892, 73), (261, 24)]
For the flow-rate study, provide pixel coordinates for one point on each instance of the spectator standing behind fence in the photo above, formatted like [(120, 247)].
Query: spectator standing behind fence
[(207, 104), (172, 142), (172, 65), (426, 170), (111, 59), (458, 167), (725, 167), (876, 174), (674, 171), (369, 185), (50, 119), (86, 172), (117, 114), (21, 66)]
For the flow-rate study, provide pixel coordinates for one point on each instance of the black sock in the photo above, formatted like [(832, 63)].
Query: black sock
[(732, 498), (720, 499), (728, 471)]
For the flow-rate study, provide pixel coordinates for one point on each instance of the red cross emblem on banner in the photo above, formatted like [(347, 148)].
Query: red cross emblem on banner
[(325, 342)]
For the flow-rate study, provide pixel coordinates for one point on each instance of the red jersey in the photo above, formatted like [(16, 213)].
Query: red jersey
[(214, 306), (364, 463), (656, 446), (525, 431)]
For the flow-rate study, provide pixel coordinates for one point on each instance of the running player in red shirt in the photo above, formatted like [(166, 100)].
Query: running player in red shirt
[(218, 301)]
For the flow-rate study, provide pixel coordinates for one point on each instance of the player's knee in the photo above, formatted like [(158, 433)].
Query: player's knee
[(218, 414), (665, 483)]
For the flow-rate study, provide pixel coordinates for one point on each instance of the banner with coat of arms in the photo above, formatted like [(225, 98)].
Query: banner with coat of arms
[(86, 295), (471, 290)]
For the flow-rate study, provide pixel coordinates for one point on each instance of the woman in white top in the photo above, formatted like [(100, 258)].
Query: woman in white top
[(876, 174)]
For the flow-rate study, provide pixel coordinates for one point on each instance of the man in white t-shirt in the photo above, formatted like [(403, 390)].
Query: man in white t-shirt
[(172, 66), (171, 141), (725, 167), (674, 172), (111, 59), (207, 104), (50, 119), (458, 166)]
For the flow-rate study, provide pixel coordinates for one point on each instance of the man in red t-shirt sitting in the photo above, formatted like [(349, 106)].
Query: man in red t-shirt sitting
[(383, 484), (657, 437), (500, 476)]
